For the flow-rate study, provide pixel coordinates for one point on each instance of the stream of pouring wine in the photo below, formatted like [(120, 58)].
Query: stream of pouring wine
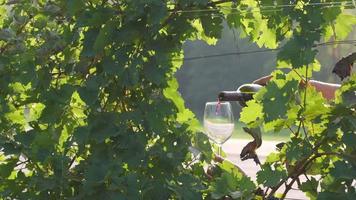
[(218, 107)]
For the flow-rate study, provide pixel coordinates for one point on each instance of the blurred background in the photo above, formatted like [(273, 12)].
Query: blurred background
[(209, 69)]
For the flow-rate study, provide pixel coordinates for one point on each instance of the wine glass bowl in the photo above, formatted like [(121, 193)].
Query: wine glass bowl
[(218, 122)]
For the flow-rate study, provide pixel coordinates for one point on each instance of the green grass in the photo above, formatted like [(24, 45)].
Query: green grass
[(238, 133)]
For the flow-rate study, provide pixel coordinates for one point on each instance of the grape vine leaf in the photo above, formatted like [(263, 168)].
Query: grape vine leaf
[(271, 177)]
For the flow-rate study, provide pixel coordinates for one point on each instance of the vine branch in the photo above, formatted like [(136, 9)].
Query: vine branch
[(298, 171)]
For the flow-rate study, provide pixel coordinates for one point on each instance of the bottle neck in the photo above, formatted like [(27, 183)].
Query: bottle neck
[(234, 96)]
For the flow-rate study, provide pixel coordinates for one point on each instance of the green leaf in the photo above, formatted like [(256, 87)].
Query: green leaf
[(81, 135), (331, 14), (349, 139), (6, 169), (201, 141), (298, 52), (51, 9), (272, 157), (252, 113), (247, 186), (310, 187), (103, 127), (42, 146), (271, 177), (316, 104), (157, 14), (154, 73), (345, 94), (17, 117), (297, 149), (73, 7), (212, 25), (90, 38), (89, 92), (188, 187), (222, 186), (7, 34), (200, 35), (233, 20), (103, 38), (184, 115), (343, 170), (131, 76), (267, 37), (40, 21), (96, 173), (26, 138), (111, 67), (10, 148), (276, 100), (333, 195), (343, 25)]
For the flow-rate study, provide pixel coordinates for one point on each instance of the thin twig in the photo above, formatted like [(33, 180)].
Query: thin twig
[(301, 169), (300, 76), (306, 177), (266, 192), (305, 132), (296, 176), (299, 126), (275, 188), (22, 162), (305, 91), (291, 130), (72, 161), (288, 187)]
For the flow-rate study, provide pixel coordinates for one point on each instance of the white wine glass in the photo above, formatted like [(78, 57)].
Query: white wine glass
[(218, 122)]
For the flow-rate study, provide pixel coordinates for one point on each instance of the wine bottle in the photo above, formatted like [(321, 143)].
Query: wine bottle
[(243, 94)]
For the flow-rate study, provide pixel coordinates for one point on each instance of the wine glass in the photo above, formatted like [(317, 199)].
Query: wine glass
[(218, 122)]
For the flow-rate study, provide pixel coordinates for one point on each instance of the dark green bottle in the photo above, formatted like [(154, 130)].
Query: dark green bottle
[(243, 94)]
